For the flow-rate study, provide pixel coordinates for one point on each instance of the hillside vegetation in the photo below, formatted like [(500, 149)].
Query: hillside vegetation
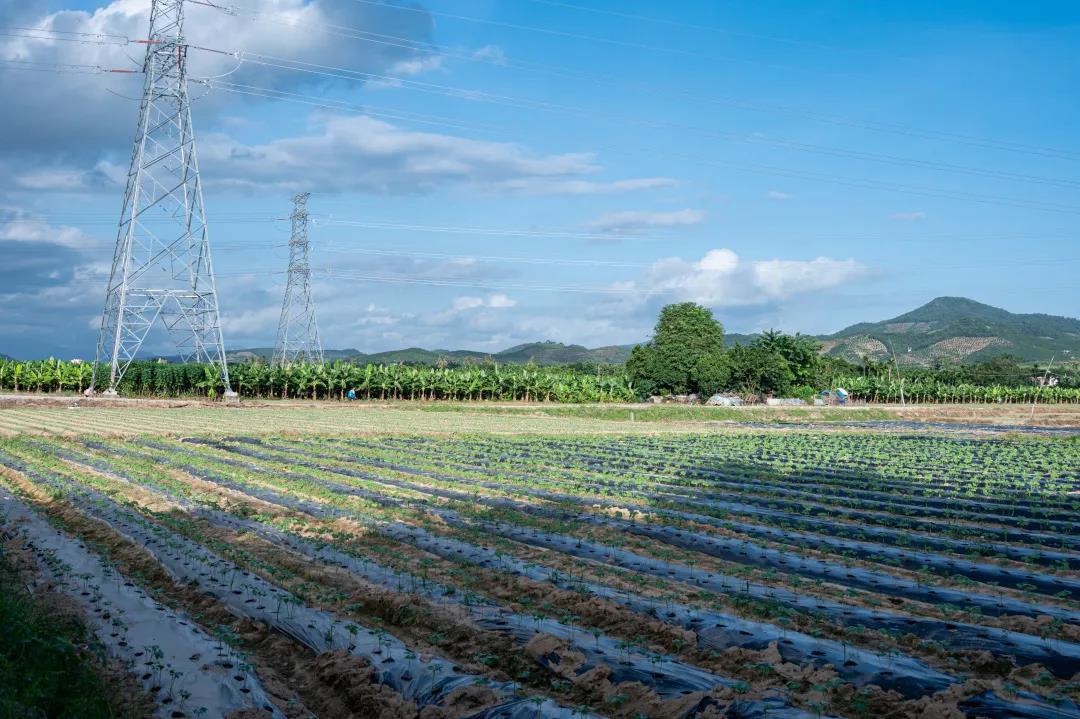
[(540, 353), (945, 329), (959, 329)]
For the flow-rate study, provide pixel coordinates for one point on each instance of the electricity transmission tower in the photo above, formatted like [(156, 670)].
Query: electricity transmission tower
[(298, 332), (161, 267)]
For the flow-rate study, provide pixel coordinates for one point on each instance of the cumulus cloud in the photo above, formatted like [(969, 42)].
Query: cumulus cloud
[(907, 216), (105, 121), (778, 195), (104, 175), (630, 221), (361, 153), (48, 280), (722, 279), (490, 53), (547, 186), (497, 300), (17, 225)]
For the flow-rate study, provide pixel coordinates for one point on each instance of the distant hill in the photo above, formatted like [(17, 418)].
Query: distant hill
[(542, 353), (947, 327), (267, 353), (558, 353), (4, 356), (960, 329)]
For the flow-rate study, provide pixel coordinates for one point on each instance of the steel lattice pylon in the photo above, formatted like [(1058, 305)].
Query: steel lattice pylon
[(161, 267), (298, 331)]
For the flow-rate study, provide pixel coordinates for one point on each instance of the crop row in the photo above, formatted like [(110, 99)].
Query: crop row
[(640, 588)]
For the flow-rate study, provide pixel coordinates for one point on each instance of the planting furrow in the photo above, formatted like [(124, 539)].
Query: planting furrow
[(870, 551), (890, 519), (899, 673), (730, 549), (742, 466), (892, 504), (715, 631), (1062, 658), (872, 534), (186, 672), (669, 679), (427, 681), (916, 496), (825, 468)]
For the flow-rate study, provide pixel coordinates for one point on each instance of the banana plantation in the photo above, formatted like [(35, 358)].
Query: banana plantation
[(929, 391), (506, 382), (332, 381)]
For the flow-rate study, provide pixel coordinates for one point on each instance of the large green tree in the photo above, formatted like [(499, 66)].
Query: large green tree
[(801, 353), (686, 342), (757, 369)]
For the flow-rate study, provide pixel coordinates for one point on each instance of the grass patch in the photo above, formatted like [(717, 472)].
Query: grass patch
[(46, 666)]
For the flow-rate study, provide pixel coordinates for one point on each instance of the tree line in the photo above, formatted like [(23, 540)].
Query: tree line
[(686, 354)]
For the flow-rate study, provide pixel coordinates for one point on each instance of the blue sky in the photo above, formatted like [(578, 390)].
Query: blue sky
[(516, 170)]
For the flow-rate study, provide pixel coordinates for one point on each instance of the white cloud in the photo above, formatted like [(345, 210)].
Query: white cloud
[(496, 301), (467, 303), (722, 261), (103, 175), (417, 65), (722, 279), (283, 28), (472, 311), (18, 226), (907, 216), (546, 186), (635, 220), (250, 322), (490, 53), (360, 153), (778, 195)]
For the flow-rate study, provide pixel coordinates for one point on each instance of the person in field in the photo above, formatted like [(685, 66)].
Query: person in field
[(351, 395)]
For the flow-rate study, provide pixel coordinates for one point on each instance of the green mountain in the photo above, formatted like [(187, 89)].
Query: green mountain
[(542, 353), (945, 328), (959, 329), (267, 353), (557, 353)]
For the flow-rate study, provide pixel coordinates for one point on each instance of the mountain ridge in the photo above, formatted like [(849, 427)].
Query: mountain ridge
[(957, 328), (951, 328), (954, 328)]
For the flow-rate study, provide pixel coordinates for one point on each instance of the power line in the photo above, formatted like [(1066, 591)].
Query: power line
[(525, 103), (330, 104), (491, 258), (345, 73), (578, 36), (367, 36), (487, 231), (896, 128), (86, 38), (545, 233), (496, 286), (55, 67)]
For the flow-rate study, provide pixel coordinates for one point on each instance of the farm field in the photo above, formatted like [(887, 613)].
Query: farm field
[(537, 574), (55, 415)]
